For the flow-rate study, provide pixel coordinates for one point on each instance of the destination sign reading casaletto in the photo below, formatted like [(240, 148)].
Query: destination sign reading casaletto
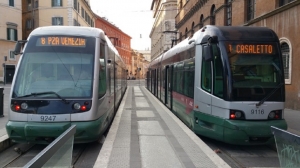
[(61, 41), (251, 48)]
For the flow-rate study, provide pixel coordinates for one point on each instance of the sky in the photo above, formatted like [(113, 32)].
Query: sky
[(133, 17)]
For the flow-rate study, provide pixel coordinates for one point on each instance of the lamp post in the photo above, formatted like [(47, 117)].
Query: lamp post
[(4, 66)]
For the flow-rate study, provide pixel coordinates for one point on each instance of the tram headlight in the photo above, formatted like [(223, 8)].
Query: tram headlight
[(24, 106), (272, 114), (76, 106), (238, 114)]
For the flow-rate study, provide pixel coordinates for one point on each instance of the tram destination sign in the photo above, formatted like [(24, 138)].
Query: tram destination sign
[(251, 48), (61, 41)]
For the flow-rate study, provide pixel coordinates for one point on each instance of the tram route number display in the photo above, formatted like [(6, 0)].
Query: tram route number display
[(251, 48), (61, 41)]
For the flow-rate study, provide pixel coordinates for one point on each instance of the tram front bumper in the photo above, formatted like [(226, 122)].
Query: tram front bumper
[(44, 133), (251, 132)]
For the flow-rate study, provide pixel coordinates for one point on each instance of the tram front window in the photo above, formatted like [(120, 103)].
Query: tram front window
[(255, 75), (67, 71)]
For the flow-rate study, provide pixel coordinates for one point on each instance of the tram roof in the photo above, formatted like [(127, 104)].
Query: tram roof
[(245, 33), (69, 30)]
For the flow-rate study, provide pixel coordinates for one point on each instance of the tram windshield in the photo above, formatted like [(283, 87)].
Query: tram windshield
[(256, 71), (64, 66)]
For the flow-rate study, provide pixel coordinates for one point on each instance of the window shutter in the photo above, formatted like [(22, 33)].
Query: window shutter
[(7, 31), (16, 34)]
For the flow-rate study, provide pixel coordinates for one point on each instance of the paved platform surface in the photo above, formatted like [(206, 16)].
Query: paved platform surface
[(146, 134)]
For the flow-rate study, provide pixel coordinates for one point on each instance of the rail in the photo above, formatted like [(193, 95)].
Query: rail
[(288, 147), (56, 154)]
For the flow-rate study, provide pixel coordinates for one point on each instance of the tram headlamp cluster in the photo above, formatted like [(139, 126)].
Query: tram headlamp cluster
[(17, 107), (236, 115), (275, 115), (78, 106)]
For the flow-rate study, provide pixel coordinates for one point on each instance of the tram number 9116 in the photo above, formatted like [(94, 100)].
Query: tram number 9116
[(257, 111), (48, 118)]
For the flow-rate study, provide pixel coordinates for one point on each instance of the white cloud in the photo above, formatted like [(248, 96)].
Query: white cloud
[(133, 17)]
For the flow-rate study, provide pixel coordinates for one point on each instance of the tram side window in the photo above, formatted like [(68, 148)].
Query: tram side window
[(102, 75), (188, 75), (163, 78), (178, 78), (206, 75), (218, 71)]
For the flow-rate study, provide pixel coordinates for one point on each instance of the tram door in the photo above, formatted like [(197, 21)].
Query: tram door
[(169, 73)]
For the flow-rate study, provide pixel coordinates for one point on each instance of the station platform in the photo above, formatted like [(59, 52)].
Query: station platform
[(146, 134)]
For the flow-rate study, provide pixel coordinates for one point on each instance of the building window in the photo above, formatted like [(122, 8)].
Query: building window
[(29, 7), (201, 22), (75, 5), (250, 9), (36, 4), (76, 23), (57, 21), (56, 3), (29, 24), (229, 13), (284, 2), (192, 30), (11, 2), (186, 32), (82, 12), (213, 15), (286, 56), (12, 34), (12, 56)]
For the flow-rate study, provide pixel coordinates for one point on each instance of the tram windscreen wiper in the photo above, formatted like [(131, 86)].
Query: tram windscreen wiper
[(44, 93), (269, 95)]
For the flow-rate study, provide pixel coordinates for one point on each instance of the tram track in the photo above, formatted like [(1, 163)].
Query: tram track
[(241, 156), (19, 155)]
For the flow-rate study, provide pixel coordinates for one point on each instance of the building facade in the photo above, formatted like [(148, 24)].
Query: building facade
[(118, 38), (10, 32), (139, 65), (144, 62), (282, 16), (163, 31), (38, 13)]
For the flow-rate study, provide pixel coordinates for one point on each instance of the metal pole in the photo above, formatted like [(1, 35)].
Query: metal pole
[(4, 73), (2, 102)]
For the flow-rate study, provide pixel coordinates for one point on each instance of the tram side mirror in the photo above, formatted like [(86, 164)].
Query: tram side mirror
[(207, 53), (18, 47)]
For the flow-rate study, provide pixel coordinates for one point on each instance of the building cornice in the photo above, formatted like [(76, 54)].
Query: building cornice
[(190, 13)]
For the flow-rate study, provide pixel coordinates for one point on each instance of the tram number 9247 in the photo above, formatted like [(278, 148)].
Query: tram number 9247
[(47, 118)]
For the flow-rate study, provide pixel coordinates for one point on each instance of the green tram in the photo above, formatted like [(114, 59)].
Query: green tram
[(225, 83), (67, 75)]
